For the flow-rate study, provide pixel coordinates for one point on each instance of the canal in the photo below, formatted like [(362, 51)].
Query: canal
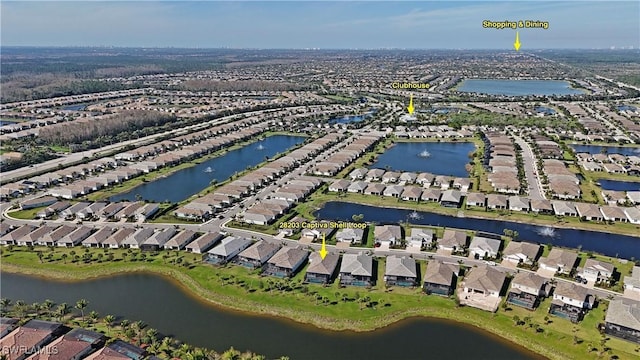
[(604, 243), (186, 182), (165, 307)]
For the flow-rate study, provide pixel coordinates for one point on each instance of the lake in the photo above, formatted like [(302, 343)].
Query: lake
[(597, 149), (441, 158), (165, 307), (349, 119), (619, 185), (518, 87), (186, 182), (604, 243)]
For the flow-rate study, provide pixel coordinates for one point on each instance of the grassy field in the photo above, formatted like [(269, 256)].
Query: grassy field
[(329, 307)]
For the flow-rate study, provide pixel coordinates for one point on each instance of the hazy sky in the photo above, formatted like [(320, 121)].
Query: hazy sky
[(318, 24)]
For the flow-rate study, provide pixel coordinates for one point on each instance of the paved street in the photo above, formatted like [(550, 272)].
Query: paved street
[(530, 169)]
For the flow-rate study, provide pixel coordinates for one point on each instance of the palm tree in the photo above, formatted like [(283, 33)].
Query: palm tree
[(62, 310), (64, 258), (231, 354), (108, 321), (93, 315), (20, 308), (47, 305), (81, 305), (4, 304), (152, 334)]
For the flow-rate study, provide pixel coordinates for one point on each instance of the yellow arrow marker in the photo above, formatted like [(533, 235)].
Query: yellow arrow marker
[(410, 108), (517, 43), (323, 249)]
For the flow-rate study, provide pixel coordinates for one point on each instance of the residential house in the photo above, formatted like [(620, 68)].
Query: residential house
[(564, 208), (484, 248), (411, 193), (350, 235), (28, 338), (425, 179), (114, 241), (375, 175), (559, 261), (321, 271), (453, 240), (256, 255), (388, 235), (541, 206), (518, 203), (158, 239), (358, 174), (357, 187), (596, 271), (431, 195), (204, 242), (390, 177), (228, 248), (632, 283), (476, 199), (420, 237), (118, 350), (96, 239), (51, 238), (440, 278), (571, 301), (75, 237), (375, 189), (136, 239), (451, 198), (286, 262), (521, 252), (12, 237), (613, 213), (497, 202), (623, 319), (527, 290), (179, 241), (37, 202), (589, 212), (357, 270), (393, 191), (339, 185), (484, 280), (400, 271)]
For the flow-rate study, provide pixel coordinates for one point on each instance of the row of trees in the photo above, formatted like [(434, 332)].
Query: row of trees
[(239, 85), (79, 131)]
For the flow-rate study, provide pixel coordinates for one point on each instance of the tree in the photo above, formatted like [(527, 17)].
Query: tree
[(62, 310), (4, 304), (47, 305), (93, 315), (64, 258), (81, 305), (108, 321)]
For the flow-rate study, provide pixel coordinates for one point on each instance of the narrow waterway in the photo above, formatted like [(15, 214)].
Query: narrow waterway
[(165, 307), (605, 243)]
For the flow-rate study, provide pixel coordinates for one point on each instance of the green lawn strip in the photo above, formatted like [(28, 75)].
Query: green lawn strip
[(330, 307), (28, 214)]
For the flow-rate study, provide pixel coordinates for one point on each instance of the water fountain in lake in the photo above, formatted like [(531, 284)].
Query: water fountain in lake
[(260, 147), (414, 215), (424, 154), (546, 231), (208, 169)]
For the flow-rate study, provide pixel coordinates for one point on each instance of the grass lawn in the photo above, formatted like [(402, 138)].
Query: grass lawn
[(327, 307), (28, 214)]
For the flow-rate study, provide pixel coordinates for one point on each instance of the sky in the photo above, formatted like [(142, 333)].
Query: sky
[(318, 24)]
